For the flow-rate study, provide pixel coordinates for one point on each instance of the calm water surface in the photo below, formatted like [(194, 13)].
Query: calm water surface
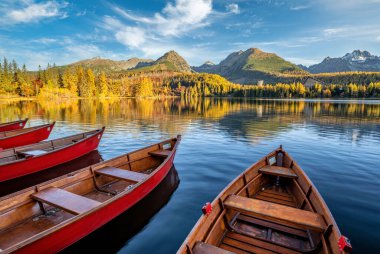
[(337, 143)]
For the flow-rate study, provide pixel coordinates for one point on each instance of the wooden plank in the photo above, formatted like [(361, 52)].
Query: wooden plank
[(278, 171), (280, 193), (65, 200), (233, 249), (272, 195), (160, 153), (268, 224), (236, 244), (122, 174), (275, 200), (251, 242), (277, 213), (205, 248)]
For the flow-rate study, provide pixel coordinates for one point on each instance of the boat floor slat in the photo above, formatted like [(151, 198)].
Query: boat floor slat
[(273, 195), (31, 227), (205, 248), (233, 249), (268, 224), (274, 200), (281, 192), (249, 242)]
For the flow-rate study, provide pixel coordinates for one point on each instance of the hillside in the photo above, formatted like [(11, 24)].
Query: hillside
[(170, 61), (98, 64), (247, 67)]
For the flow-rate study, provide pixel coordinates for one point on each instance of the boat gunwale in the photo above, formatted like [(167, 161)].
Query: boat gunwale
[(75, 218), (13, 122), (95, 132), (29, 130)]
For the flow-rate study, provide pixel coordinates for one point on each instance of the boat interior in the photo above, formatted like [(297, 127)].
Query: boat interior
[(31, 213), (8, 134), (270, 208), (18, 153)]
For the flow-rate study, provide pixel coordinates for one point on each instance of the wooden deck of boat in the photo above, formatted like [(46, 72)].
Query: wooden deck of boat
[(53, 216), (277, 195)]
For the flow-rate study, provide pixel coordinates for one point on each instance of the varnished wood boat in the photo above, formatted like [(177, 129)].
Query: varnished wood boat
[(29, 159), (52, 215), (22, 137), (15, 125), (272, 207)]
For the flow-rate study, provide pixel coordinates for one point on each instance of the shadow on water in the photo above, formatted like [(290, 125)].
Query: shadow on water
[(113, 236), (50, 173)]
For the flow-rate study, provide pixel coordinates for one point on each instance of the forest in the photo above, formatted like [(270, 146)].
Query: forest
[(71, 82)]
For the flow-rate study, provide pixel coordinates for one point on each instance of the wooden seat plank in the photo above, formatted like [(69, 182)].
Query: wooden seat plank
[(65, 200), (205, 248), (278, 171), (122, 174), (276, 213), (160, 153)]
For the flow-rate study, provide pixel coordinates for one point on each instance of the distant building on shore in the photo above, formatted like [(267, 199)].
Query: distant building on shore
[(310, 82), (260, 83)]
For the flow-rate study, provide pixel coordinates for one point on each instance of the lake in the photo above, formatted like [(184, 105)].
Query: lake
[(336, 142)]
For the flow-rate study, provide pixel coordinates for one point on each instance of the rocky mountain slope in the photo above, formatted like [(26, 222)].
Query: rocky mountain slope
[(356, 61), (247, 67)]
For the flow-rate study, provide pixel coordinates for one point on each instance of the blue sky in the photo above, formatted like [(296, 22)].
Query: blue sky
[(304, 32)]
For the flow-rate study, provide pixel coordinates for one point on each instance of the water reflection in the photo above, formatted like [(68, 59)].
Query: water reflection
[(247, 118)]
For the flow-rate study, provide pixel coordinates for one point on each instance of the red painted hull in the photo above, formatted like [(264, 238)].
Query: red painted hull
[(27, 138), (13, 125), (38, 163), (74, 231)]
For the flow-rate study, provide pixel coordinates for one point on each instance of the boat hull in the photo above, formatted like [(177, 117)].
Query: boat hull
[(16, 125), (38, 163), (27, 138), (57, 240)]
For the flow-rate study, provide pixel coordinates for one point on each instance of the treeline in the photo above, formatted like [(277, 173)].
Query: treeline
[(298, 90), (55, 82)]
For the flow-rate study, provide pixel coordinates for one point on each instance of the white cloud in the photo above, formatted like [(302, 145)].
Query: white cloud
[(155, 33), (45, 40), (378, 38), (333, 31), (131, 36), (174, 19), (233, 8), (28, 11), (299, 7)]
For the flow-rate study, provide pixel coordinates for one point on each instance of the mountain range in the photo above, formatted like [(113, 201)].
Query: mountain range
[(243, 67), (356, 61)]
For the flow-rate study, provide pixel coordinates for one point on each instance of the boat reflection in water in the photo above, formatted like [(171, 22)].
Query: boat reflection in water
[(111, 237), (50, 173)]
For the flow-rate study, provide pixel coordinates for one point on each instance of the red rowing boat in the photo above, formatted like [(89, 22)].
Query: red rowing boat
[(15, 125), (25, 160), (55, 214), (22, 137)]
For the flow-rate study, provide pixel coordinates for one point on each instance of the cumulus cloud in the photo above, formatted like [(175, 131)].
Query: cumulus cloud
[(29, 11), (152, 34), (233, 8)]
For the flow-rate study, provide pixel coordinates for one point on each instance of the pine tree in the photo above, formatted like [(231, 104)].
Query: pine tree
[(103, 85)]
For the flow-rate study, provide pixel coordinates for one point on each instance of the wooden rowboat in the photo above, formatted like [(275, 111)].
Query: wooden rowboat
[(55, 214), (15, 125), (29, 159), (272, 207), (22, 137)]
